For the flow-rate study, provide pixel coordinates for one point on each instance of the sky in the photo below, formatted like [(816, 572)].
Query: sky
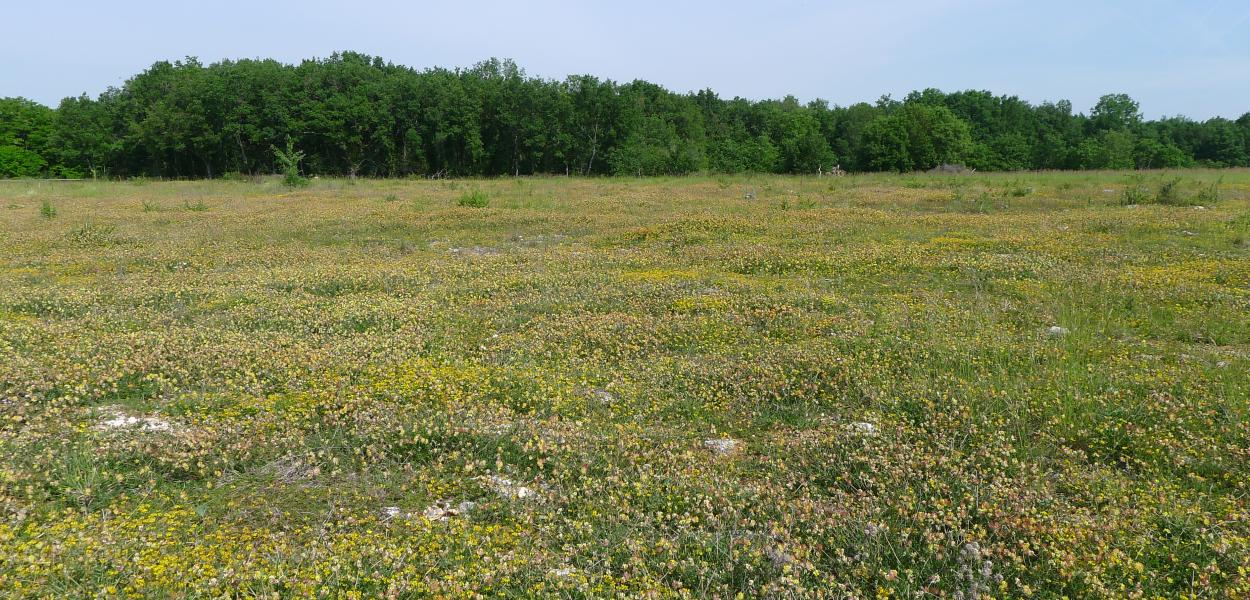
[(1175, 58)]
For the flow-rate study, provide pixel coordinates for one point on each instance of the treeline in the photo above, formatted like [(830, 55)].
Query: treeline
[(353, 114)]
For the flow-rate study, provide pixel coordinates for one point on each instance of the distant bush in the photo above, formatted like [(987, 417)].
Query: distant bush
[(1239, 229), (1134, 193), (197, 206), (473, 199), (1210, 194), (47, 210), (1018, 190), (289, 160), (983, 203), (89, 234), (1169, 192)]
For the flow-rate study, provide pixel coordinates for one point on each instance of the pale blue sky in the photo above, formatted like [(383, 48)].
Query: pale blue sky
[(1190, 58)]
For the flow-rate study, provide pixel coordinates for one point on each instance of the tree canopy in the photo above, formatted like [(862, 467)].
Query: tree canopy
[(352, 114)]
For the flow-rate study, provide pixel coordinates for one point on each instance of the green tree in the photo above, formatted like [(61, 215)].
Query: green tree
[(84, 136), (25, 131), (20, 162), (916, 136), (1222, 143), (355, 114), (1111, 150), (1115, 112), (885, 145)]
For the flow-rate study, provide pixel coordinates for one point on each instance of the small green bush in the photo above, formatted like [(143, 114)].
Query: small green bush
[(197, 206), (47, 210), (983, 203), (1169, 192), (237, 177), (289, 160), (1134, 194), (1018, 190), (1210, 194), (89, 234), (473, 199)]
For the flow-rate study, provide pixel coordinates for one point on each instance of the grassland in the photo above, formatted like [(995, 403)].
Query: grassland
[(928, 386)]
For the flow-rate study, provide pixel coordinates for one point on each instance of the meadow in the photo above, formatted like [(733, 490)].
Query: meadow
[(874, 386)]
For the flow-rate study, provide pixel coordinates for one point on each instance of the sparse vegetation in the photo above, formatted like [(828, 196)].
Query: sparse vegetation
[(628, 388), (1170, 191)]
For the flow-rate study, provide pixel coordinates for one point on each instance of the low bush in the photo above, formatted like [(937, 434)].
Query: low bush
[(473, 199)]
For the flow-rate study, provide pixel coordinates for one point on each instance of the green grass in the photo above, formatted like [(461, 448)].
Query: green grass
[(298, 374), (474, 198)]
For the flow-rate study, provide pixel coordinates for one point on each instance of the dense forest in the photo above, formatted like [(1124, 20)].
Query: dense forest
[(353, 114)]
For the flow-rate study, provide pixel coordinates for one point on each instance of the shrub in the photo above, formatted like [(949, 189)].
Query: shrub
[(473, 199), (1019, 190), (1134, 193), (47, 210), (198, 206), (89, 234), (289, 160), (1210, 194), (1169, 192), (983, 203)]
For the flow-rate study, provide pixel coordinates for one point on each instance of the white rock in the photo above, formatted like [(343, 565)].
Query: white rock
[(863, 427), (1056, 331), (120, 420), (562, 572), (721, 446), (391, 512), (509, 489), (443, 510)]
